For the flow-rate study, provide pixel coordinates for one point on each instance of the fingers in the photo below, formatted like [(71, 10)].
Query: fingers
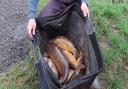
[(86, 12), (30, 31), (31, 27), (34, 30), (85, 9)]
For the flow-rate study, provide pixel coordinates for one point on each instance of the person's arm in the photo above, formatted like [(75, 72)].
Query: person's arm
[(85, 1), (32, 7), (31, 27), (84, 7)]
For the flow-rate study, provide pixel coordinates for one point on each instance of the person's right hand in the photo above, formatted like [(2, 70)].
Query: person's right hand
[(31, 27)]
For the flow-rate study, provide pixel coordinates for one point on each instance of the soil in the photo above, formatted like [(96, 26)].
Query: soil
[(13, 40)]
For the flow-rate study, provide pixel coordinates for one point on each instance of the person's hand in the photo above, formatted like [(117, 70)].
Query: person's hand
[(31, 27), (84, 9)]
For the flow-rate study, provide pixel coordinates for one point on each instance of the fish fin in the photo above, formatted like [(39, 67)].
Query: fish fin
[(79, 66)]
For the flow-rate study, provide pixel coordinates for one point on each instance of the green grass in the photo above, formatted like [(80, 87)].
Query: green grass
[(111, 26), (111, 23)]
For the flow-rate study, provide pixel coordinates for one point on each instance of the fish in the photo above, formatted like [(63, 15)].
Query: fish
[(76, 63), (52, 66), (59, 59), (65, 44), (71, 76)]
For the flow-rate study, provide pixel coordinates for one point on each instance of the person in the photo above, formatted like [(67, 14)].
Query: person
[(51, 8)]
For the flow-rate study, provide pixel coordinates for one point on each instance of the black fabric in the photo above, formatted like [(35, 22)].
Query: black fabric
[(71, 24)]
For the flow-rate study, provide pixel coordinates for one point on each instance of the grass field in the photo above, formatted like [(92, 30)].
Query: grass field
[(111, 26)]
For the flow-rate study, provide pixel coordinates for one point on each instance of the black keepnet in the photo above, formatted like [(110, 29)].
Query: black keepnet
[(71, 24)]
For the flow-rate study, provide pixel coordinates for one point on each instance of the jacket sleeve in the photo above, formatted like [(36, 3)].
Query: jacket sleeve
[(32, 6), (86, 1)]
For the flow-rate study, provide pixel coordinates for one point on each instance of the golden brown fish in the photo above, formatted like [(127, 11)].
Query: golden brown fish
[(65, 44), (76, 63), (59, 59)]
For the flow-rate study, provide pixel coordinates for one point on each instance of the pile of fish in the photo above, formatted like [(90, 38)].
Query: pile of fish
[(64, 59)]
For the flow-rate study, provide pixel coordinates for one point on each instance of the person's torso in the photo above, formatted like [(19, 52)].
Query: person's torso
[(66, 1)]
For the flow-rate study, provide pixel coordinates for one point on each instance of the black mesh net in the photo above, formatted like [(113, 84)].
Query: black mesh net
[(71, 24)]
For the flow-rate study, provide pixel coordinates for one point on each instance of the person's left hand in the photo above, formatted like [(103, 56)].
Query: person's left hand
[(84, 9)]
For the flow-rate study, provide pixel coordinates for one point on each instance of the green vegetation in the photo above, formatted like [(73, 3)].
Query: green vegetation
[(111, 25)]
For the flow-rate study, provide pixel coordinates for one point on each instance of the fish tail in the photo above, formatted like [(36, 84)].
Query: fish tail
[(79, 66)]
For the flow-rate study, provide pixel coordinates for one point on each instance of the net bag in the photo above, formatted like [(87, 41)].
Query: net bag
[(71, 24)]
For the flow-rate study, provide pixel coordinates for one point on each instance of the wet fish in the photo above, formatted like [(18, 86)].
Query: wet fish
[(71, 76), (65, 44), (59, 59), (52, 66), (76, 63)]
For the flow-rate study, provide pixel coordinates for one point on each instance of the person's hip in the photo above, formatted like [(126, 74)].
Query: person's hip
[(66, 2)]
